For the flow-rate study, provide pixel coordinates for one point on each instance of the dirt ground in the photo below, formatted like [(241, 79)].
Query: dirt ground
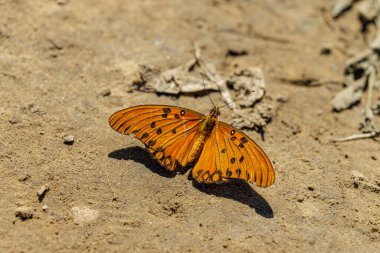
[(66, 66)]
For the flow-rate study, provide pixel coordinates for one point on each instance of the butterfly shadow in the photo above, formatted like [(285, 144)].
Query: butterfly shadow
[(237, 190), (140, 155), (240, 191)]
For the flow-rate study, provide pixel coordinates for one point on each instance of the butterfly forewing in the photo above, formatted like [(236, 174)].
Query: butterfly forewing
[(167, 131)]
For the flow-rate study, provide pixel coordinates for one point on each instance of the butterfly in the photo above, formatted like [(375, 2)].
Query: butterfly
[(177, 136)]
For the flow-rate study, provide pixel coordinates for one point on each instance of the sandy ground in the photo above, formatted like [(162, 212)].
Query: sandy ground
[(57, 60)]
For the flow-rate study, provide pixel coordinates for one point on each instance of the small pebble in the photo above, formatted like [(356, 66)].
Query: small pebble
[(325, 51), (105, 92), (24, 213), (13, 121), (42, 192), (68, 139), (234, 52), (45, 208), (62, 2), (282, 99), (357, 174), (84, 215), (23, 176)]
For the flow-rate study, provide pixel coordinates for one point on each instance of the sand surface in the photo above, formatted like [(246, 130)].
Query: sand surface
[(66, 66)]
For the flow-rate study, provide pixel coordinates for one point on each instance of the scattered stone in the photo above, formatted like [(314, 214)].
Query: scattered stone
[(56, 44), (45, 208), (84, 215), (42, 192), (325, 51), (105, 93), (235, 52), (282, 99), (300, 199), (311, 188), (357, 177), (62, 2), (24, 213), (13, 121), (23, 176), (357, 174), (68, 139)]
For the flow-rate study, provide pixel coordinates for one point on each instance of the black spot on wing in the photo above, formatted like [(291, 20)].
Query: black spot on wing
[(238, 172), (153, 125), (167, 110)]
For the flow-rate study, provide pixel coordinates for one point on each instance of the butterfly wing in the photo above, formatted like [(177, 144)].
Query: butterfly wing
[(229, 153), (168, 131)]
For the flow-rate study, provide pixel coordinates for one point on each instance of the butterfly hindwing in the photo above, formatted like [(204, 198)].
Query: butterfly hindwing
[(167, 131), (229, 153)]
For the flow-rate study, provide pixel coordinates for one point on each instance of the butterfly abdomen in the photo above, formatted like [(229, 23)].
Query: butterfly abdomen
[(204, 132)]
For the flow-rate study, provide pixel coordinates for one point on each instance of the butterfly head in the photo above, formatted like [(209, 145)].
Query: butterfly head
[(215, 112)]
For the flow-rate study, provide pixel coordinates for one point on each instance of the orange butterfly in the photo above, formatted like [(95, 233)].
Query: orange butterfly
[(179, 136)]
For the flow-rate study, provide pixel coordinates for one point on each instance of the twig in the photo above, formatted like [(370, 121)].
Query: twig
[(372, 134), (371, 83)]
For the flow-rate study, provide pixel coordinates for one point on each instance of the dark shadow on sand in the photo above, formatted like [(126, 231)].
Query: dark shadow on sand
[(237, 190), (240, 191), (142, 156)]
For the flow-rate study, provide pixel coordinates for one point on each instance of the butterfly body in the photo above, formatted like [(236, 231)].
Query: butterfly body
[(205, 131), (178, 136)]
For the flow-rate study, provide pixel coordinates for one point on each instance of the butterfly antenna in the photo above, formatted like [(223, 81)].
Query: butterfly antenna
[(204, 85), (235, 100)]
